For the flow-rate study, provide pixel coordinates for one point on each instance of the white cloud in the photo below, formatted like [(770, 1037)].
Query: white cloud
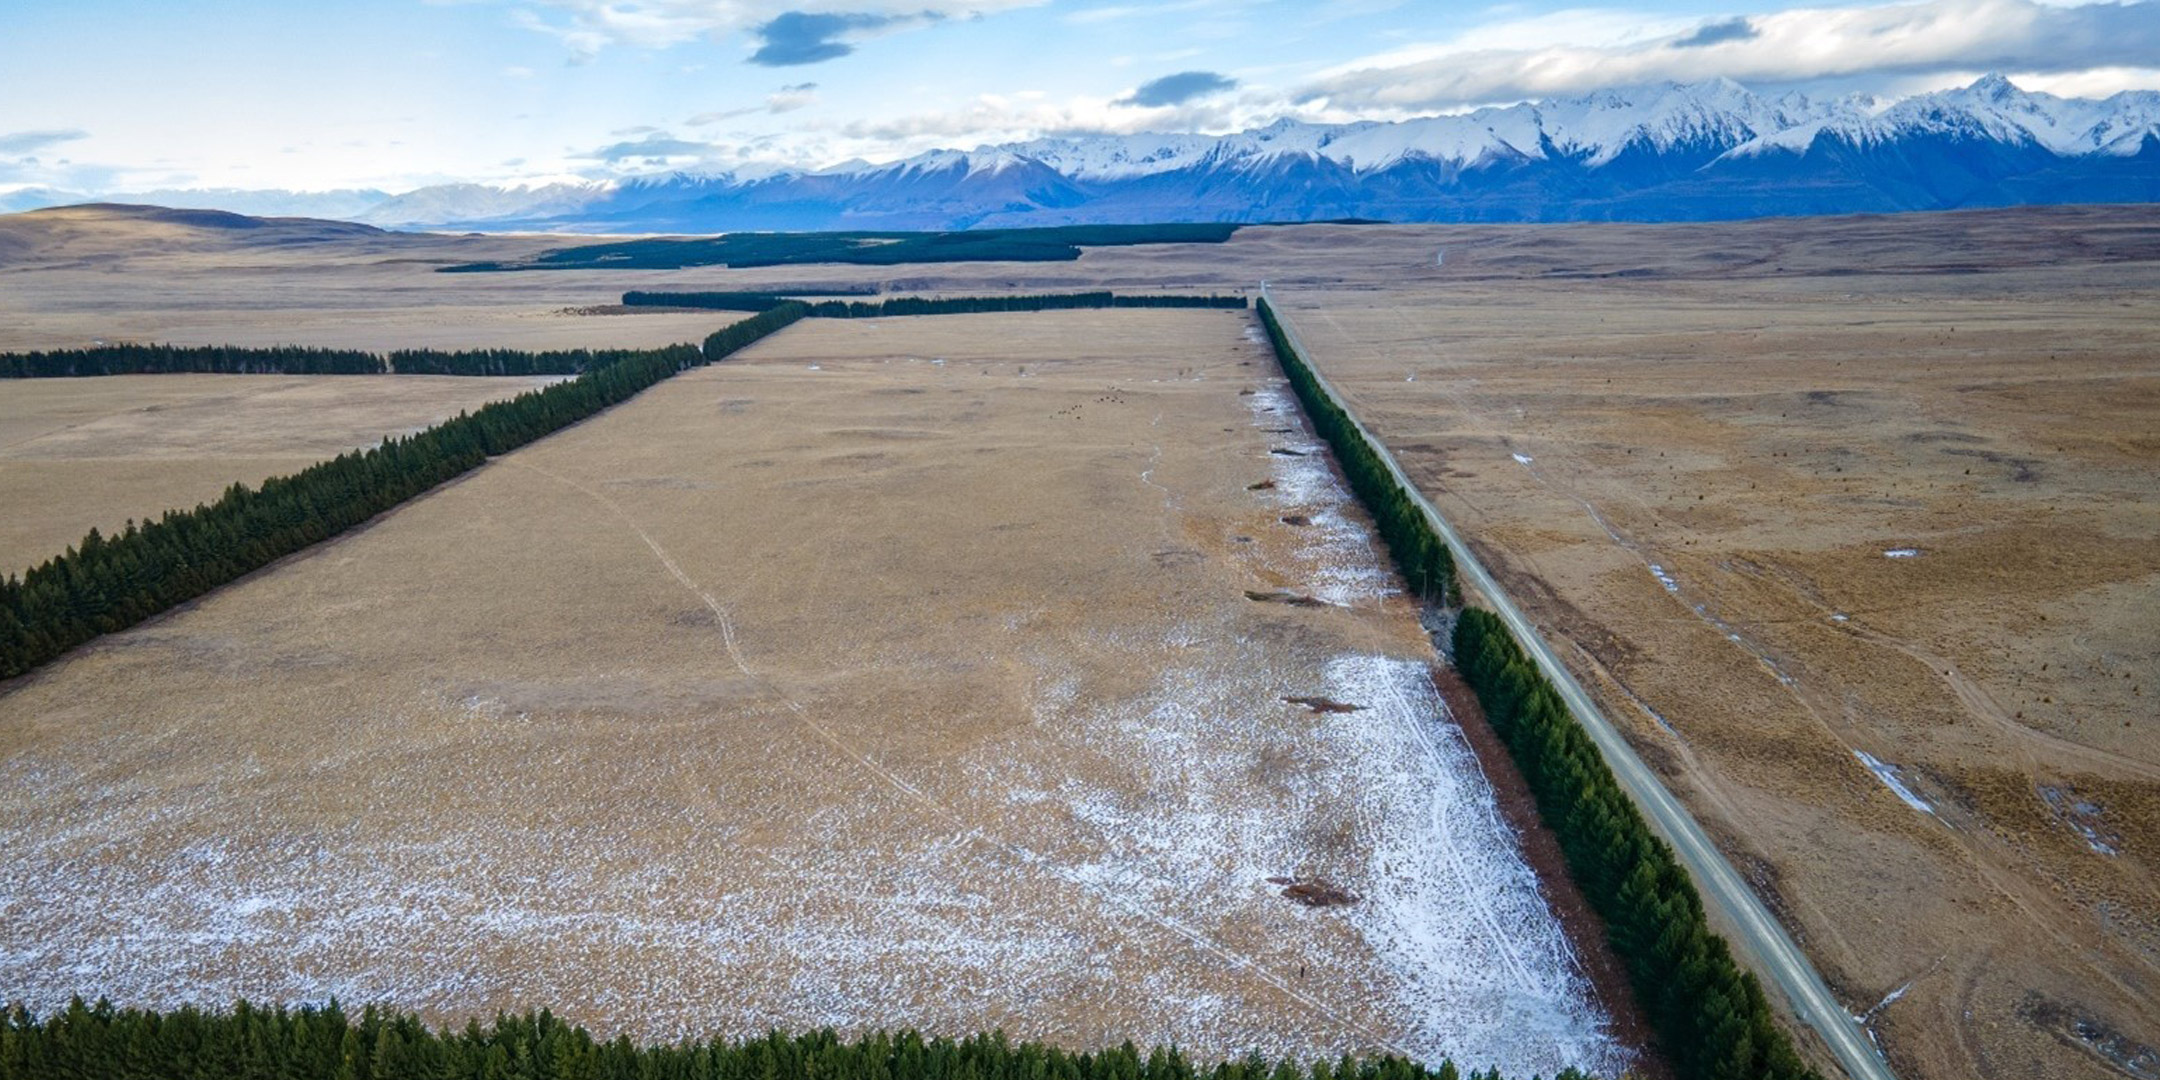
[(2092, 83), (791, 98), (1118, 12), (30, 142), (784, 100), (999, 118), (587, 26), (1572, 52)]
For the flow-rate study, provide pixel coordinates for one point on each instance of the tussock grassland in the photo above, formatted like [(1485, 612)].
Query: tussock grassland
[(1868, 559), (1752, 412), (78, 454), (891, 673)]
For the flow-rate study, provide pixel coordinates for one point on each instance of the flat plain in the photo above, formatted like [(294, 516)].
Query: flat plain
[(78, 454), (893, 672), (1723, 431), (1869, 561)]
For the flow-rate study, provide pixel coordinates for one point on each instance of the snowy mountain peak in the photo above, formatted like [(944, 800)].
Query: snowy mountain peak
[(1659, 151), (1994, 86), (1992, 110)]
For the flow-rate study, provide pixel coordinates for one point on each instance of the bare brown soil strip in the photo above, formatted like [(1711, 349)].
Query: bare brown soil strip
[(1283, 596), (1323, 704), (1314, 892)]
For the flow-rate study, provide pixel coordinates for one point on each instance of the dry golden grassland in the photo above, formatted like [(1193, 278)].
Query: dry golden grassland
[(895, 672), (75, 276), (1759, 410), (1810, 531), (78, 454)]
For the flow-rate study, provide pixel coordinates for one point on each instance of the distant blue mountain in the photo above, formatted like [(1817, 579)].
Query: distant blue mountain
[(1668, 152)]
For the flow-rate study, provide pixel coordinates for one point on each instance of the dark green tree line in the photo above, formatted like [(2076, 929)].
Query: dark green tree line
[(297, 360), (1420, 555), (1711, 1017), (747, 249), (916, 305), (506, 361), (329, 1043), (109, 583), (294, 360), (176, 359)]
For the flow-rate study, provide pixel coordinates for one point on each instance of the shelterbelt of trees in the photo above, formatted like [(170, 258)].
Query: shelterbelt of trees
[(916, 305), (327, 1043), (129, 359), (297, 360), (108, 584), (1421, 556), (745, 249), (1711, 1018)]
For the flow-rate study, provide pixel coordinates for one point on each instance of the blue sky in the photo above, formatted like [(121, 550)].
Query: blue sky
[(132, 95)]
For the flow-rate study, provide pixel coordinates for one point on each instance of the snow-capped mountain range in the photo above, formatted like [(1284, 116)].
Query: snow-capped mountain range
[(1663, 152)]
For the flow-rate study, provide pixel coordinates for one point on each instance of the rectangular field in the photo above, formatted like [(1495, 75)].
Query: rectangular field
[(78, 454), (957, 672), (1869, 562)]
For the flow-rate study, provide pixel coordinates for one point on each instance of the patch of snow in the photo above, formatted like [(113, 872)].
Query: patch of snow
[(2083, 817), (1671, 583), (1523, 458), (1346, 568), (1888, 774), (1902, 553)]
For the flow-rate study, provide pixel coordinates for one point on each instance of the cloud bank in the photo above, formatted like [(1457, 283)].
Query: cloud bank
[(1794, 45), (788, 32)]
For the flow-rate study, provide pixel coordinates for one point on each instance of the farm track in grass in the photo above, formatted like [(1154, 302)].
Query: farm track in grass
[(892, 672)]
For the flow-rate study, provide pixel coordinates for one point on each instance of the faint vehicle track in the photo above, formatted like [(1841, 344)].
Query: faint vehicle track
[(1444, 829)]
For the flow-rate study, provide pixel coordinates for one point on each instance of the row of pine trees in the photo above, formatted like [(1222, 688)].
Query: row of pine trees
[(1421, 556), (129, 359), (93, 1042), (917, 305), (1711, 1018), (109, 583), (298, 360)]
